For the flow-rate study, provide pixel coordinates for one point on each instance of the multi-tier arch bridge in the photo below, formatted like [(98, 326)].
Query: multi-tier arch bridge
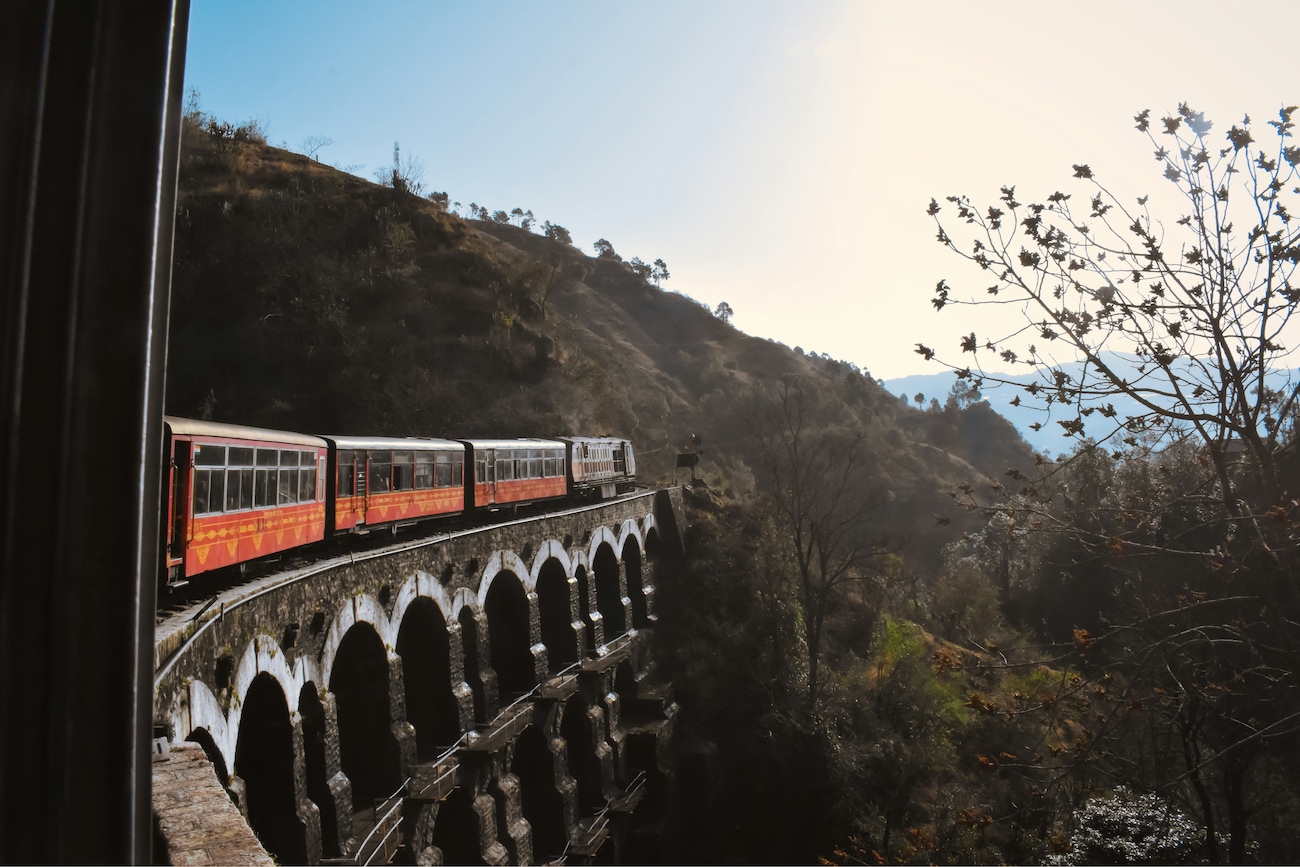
[(479, 695)]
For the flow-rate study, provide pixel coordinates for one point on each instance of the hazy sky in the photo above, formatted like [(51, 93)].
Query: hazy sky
[(777, 155)]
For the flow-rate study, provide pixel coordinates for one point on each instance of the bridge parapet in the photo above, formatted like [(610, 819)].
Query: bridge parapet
[(371, 666)]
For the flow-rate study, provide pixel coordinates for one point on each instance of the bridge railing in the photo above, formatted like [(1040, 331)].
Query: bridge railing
[(379, 851)]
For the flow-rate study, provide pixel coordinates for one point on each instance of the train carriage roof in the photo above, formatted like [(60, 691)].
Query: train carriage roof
[(419, 444), (596, 440), (195, 428), (520, 443)]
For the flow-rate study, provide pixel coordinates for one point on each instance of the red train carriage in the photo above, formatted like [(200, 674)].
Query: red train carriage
[(515, 472), (237, 493), (393, 481), (600, 466)]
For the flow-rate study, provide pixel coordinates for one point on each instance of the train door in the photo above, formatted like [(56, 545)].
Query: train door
[(363, 485), (180, 499), (489, 478), (345, 489)]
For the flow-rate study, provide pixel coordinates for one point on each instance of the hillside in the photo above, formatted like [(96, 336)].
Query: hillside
[(308, 299)]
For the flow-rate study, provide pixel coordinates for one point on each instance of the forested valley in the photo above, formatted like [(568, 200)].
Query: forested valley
[(900, 635)]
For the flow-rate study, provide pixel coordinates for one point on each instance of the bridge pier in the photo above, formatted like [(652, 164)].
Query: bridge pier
[(308, 811), (403, 731), (514, 831), (461, 691), (340, 787)]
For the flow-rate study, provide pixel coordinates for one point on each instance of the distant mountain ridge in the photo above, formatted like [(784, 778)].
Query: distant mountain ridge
[(1051, 438)]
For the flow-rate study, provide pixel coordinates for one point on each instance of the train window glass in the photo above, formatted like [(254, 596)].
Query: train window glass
[(457, 470), (288, 493), (548, 465), (403, 471), (201, 492), (535, 464), (444, 470), (306, 484), (288, 459), (423, 470), (232, 490), (240, 457), (209, 456), (620, 465), (344, 458), (381, 472), (505, 469), (480, 470), (268, 458), (521, 465), (306, 459), (217, 491), (263, 486)]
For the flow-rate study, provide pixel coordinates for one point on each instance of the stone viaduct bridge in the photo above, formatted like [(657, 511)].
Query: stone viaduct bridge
[(482, 695)]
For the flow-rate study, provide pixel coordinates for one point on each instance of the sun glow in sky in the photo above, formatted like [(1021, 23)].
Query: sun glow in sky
[(777, 155)]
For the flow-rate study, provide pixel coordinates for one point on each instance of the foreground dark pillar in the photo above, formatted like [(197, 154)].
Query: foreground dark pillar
[(89, 120)]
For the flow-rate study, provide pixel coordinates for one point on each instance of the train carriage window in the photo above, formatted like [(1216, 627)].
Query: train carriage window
[(306, 476), (306, 484), (457, 469), (480, 470), (620, 464), (287, 492), (209, 479), (535, 464), (381, 472), (444, 469), (344, 458), (423, 470), (265, 478), (208, 455), (239, 479), (521, 464), (505, 468), (232, 490), (201, 492), (217, 491), (403, 471), (239, 489)]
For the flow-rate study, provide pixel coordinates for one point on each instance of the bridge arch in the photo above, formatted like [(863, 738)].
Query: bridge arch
[(503, 561), (609, 587), (509, 609), (550, 550), (263, 655), (359, 680), (264, 760), (360, 608), (630, 529), (422, 585), (424, 645), (560, 625), (634, 574)]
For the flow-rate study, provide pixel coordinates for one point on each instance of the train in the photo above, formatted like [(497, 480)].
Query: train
[(235, 494)]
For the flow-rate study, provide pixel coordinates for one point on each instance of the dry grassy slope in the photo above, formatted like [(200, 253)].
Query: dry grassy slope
[(308, 299)]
